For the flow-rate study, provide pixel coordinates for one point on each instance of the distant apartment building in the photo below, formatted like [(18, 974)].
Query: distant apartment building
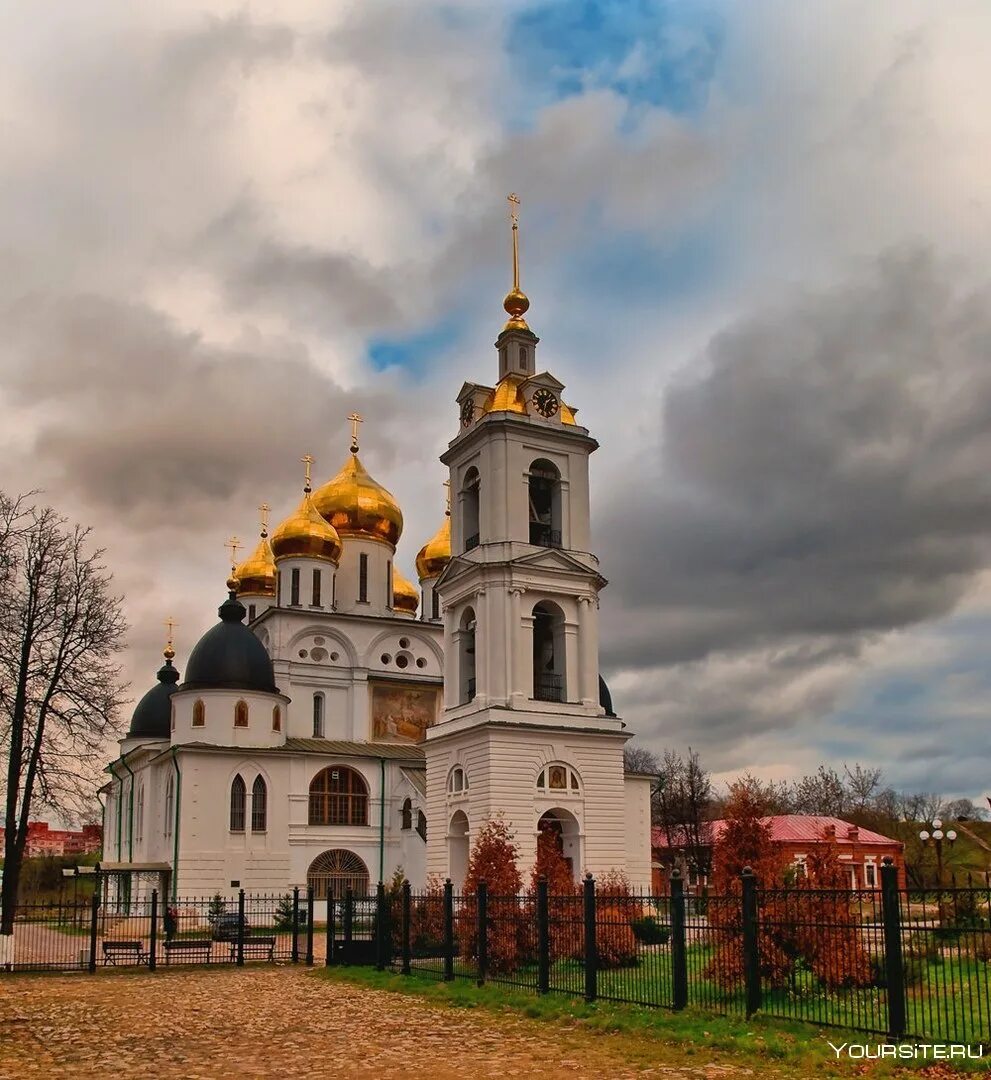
[(798, 835), (44, 840)]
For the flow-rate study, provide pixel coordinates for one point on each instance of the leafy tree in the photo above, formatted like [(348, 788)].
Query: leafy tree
[(493, 860), (60, 690), (284, 912)]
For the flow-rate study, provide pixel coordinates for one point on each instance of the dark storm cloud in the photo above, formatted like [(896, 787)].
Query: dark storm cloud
[(823, 471), (137, 418)]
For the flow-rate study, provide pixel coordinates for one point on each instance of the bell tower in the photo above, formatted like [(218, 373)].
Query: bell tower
[(520, 601)]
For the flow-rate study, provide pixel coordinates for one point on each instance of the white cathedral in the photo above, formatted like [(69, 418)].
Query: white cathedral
[(338, 724)]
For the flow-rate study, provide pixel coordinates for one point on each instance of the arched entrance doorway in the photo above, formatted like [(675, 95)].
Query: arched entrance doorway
[(457, 848), (563, 826), (335, 872)]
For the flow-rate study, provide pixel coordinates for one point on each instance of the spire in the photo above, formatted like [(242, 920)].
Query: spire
[(355, 421), (516, 302), (233, 544)]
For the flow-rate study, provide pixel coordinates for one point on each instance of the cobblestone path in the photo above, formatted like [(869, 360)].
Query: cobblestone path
[(283, 1023)]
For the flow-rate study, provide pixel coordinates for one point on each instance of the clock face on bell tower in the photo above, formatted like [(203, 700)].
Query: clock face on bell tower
[(545, 402)]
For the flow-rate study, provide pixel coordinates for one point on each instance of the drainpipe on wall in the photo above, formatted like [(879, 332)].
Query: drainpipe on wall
[(175, 827), (382, 819)]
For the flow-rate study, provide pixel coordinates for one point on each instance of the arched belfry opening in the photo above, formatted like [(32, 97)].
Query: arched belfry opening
[(549, 674), (544, 486), (466, 656), (469, 509)]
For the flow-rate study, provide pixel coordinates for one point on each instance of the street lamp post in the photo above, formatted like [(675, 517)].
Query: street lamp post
[(937, 838)]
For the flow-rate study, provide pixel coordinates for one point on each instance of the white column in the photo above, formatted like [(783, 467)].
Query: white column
[(515, 688), (483, 648), (588, 683), (572, 673), (452, 676), (565, 496)]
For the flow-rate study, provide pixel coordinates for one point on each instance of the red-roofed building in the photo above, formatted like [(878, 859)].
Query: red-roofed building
[(44, 840), (798, 834)]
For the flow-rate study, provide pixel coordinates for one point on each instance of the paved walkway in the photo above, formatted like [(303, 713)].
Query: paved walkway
[(287, 1024)]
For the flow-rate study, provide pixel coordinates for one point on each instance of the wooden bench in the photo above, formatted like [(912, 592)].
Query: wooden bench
[(201, 948), (112, 950), (256, 946)]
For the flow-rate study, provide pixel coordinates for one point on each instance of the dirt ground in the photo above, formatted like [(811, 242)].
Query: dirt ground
[(283, 1023)]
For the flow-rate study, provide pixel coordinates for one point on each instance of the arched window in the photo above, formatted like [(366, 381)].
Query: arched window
[(318, 716), (238, 799), (434, 604), (466, 652), (259, 805), (407, 814), (139, 815), (338, 796), (457, 848), (421, 825), (334, 872), (251, 612), (469, 509), (241, 714), (558, 778), (457, 781), (277, 719), (549, 675), (199, 714), (169, 806), (545, 504), (315, 589)]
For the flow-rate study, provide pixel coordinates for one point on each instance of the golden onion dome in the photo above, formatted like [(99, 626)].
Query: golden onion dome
[(506, 397), (435, 553), (306, 533), (405, 595), (358, 506), (256, 575)]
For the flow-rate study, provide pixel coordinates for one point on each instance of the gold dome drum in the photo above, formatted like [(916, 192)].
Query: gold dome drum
[(405, 595), (435, 553), (358, 506), (256, 575), (305, 533)]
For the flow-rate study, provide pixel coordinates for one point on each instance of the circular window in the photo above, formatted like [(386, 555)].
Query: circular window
[(303, 654), (404, 643), (334, 656), (385, 658), (421, 662), (318, 641), (318, 654), (401, 661)]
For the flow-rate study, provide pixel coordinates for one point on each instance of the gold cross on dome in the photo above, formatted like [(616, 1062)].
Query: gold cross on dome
[(263, 517), (171, 624), (355, 421), (514, 208), (233, 545), (447, 495), (307, 460)]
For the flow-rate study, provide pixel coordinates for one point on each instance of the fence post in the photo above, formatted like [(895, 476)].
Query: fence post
[(294, 954), (309, 926), (407, 918), (483, 932), (240, 928), (381, 929), (751, 955), (94, 919), (543, 938), (679, 951), (591, 953), (348, 925), (448, 931), (893, 965), (153, 936), (331, 919)]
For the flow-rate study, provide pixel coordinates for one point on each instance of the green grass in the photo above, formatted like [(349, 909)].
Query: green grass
[(652, 1036)]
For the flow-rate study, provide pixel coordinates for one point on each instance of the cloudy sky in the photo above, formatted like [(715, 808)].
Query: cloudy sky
[(756, 241)]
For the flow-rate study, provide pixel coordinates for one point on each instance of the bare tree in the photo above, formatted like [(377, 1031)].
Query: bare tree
[(863, 786), (683, 809), (823, 794), (638, 759), (60, 690)]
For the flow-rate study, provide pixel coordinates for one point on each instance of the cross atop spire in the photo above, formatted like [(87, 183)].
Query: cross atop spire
[(307, 460), (233, 545), (516, 302), (169, 650), (355, 421), (447, 497), (263, 518)]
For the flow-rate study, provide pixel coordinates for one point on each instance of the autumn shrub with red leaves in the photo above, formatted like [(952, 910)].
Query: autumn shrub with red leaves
[(616, 909), (493, 860), (564, 905), (427, 919)]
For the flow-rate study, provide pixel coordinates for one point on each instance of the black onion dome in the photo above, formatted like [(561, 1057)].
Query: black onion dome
[(152, 717), (229, 656), (605, 698)]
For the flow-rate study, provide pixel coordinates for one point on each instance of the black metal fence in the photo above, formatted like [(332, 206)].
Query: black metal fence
[(898, 962), (149, 931)]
